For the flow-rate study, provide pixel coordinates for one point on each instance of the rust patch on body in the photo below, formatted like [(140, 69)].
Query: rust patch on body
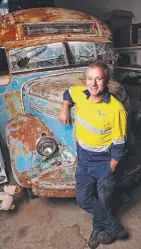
[(56, 177), (12, 30), (119, 92), (27, 129), (22, 178), (52, 192), (13, 104), (49, 15), (102, 29), (55, 183), (8, 29), (25, 178), (54, 86), (35, 41), (52, 176)]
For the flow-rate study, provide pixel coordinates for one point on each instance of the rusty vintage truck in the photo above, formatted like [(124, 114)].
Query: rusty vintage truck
[(43, 52)]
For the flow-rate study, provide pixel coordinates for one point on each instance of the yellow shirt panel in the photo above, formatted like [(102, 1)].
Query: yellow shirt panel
[(98, 117)]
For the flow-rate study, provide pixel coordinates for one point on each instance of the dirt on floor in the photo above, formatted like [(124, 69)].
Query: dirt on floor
[(61, 224)]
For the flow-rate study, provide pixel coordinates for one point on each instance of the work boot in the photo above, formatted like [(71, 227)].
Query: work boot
[(93, 242), (106, 237)]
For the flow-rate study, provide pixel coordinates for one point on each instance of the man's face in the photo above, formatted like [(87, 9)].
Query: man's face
[(95, 81)]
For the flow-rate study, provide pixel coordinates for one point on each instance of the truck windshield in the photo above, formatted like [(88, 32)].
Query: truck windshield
[(86, 52), (58, 55)]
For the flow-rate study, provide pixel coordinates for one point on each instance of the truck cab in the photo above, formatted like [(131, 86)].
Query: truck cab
[(43, 52)]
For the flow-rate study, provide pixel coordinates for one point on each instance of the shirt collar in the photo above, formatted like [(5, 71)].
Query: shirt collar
[(106, 97)]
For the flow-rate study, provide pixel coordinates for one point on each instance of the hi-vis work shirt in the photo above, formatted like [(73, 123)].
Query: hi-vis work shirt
[(100, 127)]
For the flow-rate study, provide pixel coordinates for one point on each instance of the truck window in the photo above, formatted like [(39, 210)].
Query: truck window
[(87, 52), (32, 58), (57, 28), (58, 55), (3, 62)]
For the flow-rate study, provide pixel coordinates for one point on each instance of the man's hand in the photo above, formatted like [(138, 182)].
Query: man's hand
[(64, 117), (64, 113), (113, 164)]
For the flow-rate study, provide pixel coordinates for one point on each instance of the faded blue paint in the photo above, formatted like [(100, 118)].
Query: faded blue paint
[(62, 133), (37, 157), (4, 117), (15, 85), (18, 81), (2, 102), (24, 162), (46, 165)]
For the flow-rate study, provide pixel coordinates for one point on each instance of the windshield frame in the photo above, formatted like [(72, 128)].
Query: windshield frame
[(66, 53), (39, 68)]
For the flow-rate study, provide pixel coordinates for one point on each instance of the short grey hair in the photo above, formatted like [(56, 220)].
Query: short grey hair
[(102, 65)]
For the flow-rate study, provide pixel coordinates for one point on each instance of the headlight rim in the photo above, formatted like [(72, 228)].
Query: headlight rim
[(41, 141)]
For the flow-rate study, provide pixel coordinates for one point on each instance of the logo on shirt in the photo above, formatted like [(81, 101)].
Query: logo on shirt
[(101, 113)]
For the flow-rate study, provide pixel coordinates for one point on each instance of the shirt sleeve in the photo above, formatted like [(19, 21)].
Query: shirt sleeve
[(72, 94), (67, 97), (119, 134)]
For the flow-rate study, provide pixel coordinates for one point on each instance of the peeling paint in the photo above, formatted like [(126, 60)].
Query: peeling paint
[(22, 134), (11, 29), (18, 130), (31, 100), (54, 177)]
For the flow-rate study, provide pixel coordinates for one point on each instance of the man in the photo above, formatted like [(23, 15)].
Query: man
[(101, 132)]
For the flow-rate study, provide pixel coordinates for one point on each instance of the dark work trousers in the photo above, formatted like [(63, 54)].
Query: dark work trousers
[(94, 189)]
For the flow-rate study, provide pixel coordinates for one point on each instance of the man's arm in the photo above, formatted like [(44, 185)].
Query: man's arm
[(119, 133), (64, 113)]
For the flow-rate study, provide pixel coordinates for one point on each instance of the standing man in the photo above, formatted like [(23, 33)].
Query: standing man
[(101, 132)]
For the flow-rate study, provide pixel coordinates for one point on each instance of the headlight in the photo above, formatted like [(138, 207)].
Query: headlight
[(46, 146)]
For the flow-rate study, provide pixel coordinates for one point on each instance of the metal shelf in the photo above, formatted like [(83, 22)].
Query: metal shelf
[(128, 68), (133, 47)]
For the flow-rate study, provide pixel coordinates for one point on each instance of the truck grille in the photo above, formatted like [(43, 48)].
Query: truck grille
[(53, 113)]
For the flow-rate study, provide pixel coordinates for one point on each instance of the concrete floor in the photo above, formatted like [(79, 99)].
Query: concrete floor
[(61, 224)]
